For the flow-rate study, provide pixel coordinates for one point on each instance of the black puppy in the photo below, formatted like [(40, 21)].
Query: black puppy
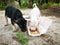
[(16, 16)]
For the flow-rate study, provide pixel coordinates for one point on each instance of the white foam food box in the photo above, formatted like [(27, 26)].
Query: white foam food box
[(44, 24)]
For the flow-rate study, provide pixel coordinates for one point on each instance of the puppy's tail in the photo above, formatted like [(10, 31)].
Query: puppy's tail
[(34, 5)]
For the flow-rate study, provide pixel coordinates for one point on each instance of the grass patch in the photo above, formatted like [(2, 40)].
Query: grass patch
[(47, 5), (22, 39), (23, 7), (2, 6)]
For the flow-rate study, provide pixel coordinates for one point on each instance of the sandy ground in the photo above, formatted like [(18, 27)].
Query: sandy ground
[(51, 37)]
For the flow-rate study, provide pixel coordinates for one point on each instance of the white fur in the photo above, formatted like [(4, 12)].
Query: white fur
[(34, 17)]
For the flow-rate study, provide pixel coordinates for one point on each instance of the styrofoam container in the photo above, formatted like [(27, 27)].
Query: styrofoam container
[(43, 26)]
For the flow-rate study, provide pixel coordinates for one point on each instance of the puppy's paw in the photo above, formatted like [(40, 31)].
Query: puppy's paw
[(6, 24), (15, 31)]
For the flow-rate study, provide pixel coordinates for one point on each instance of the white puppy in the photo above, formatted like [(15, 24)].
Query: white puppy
[(34, 17)]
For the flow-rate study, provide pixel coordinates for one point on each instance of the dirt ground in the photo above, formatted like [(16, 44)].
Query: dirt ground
[(51, 37)]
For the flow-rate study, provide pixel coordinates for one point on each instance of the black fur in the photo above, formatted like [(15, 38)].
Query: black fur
[(16, 16)]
